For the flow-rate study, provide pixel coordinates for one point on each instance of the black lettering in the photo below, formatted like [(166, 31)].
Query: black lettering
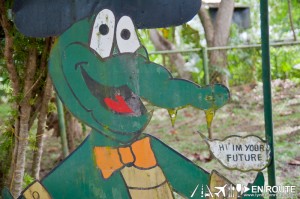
[(253, 157), (228, 157), (247, 159), (238, 147), (251, 147), (247, 147), (221, 147), (235, 159), (259, 157), (241, 157)]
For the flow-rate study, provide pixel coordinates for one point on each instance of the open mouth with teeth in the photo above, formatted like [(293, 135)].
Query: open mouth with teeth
[(120, 100)]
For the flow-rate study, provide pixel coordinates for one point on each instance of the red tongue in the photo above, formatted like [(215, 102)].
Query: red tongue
[(118, 106)]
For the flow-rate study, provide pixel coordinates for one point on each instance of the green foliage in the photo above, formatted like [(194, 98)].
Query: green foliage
[(22, 45), (244, 66), (32, 140), (52, 107), (27, 180), (5, 89), (190, 36), (198, 77), (8, 117), (279, 21), (145, 40), (282, 61), (6, 142)]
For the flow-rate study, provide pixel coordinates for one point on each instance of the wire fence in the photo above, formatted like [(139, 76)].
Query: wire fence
[(243, 62)]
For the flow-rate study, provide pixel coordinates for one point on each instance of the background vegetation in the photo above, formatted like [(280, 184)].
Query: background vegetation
[(240, 67)]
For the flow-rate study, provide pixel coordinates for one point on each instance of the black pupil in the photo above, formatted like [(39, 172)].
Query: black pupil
[(125, 34), (103, 29)]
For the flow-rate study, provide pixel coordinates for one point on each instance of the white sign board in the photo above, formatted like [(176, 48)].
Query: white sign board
[(241, 153)]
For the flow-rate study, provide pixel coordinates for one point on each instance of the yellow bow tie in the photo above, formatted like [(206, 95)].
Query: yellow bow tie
[(139, 154)]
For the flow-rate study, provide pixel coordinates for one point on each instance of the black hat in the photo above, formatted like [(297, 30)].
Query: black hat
[(43, 18)]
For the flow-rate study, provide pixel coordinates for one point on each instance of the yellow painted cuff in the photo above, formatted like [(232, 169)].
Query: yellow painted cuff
[(36, 191)]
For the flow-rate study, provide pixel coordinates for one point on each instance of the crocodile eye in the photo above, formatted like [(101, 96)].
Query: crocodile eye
[(103, 33), (126, 36)]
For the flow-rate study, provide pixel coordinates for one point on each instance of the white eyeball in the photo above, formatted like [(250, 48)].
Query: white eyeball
[(103, 33), (126, 36)]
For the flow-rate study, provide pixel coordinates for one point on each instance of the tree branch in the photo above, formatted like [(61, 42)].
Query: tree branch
[(41, 128), (291, 19), (176, 59), (207, 25), (8, 49), (223, 22), (25, 112), (31, 67), (43, 111)]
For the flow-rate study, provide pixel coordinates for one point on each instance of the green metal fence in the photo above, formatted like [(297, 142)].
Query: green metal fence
[(203, 54)]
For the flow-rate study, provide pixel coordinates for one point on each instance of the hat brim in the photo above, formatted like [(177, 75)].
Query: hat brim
[(44, 18)]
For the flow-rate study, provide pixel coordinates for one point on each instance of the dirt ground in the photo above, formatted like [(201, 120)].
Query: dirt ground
[(242, 116)]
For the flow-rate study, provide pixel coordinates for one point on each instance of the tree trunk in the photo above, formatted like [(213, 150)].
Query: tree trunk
[(217, 34), (10, 66), (27, 82), (8, 49), (37, 156), (74, 131), (43, 112), (21, 142), (207, 25), (176, 59)]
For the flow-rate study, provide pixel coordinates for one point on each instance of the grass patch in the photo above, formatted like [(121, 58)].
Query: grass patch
[(4, 109)]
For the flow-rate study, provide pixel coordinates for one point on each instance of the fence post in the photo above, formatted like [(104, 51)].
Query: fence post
[(205, 65), (267, 89), (62, 126)]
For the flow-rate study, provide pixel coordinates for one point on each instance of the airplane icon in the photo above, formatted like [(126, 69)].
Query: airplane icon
[(222, 190)]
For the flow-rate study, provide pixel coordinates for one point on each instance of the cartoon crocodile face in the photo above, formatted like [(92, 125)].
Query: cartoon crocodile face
[(103, 75)]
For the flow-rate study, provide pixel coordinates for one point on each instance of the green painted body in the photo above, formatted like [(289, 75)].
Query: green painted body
[(82, 179), (78, 176)]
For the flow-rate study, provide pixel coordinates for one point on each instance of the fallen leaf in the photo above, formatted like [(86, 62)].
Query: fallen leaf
[(287, 113), (294, 162), (173, 132)]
